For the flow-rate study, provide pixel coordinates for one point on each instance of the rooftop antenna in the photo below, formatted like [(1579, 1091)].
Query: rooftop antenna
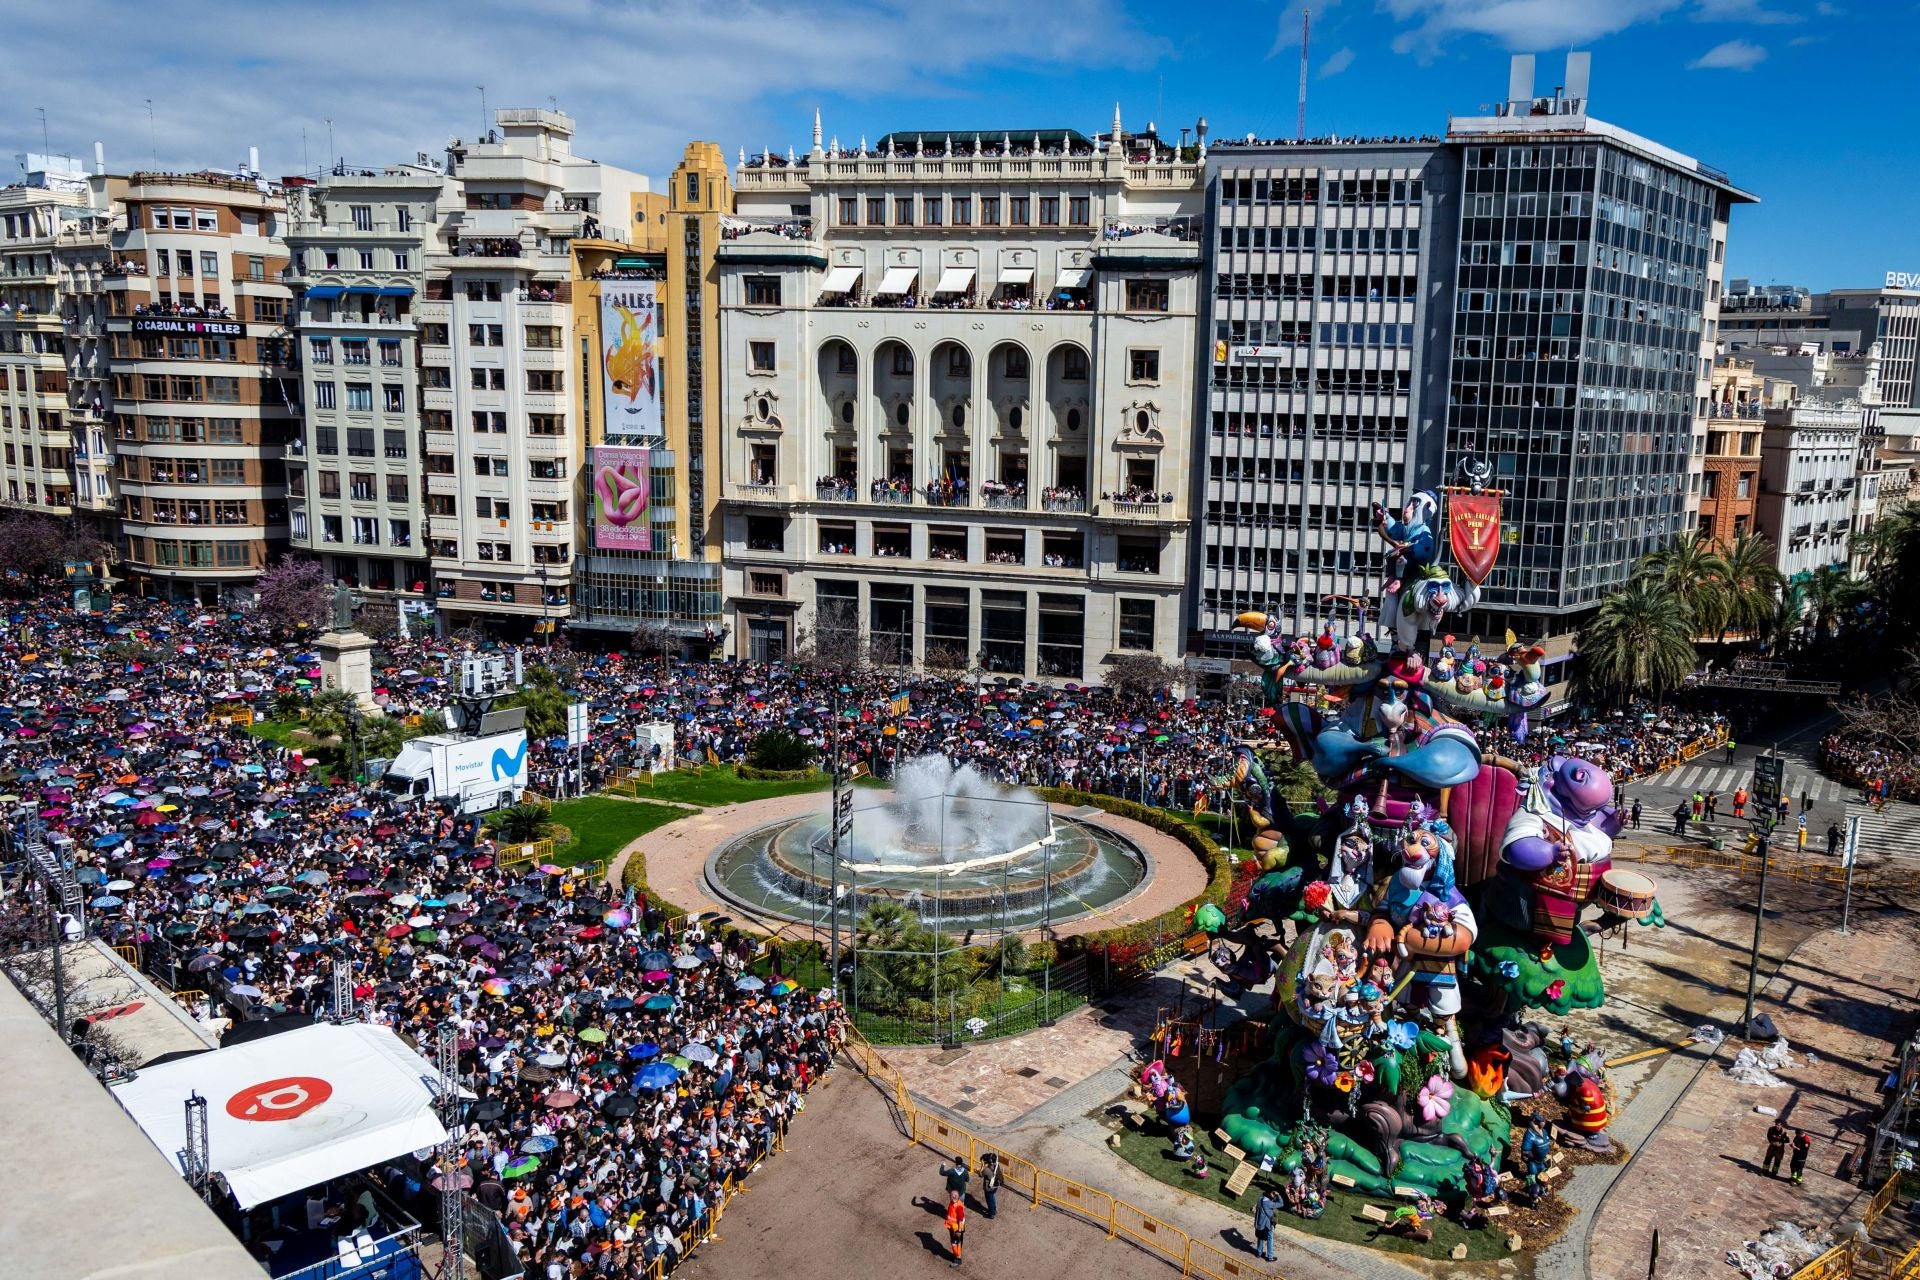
[(1306, 30), (46, 144), (153, 135), (485, 119)]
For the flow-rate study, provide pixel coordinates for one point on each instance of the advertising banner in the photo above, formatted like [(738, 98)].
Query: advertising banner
[(630, 366), (1473, 529), (620, 487)]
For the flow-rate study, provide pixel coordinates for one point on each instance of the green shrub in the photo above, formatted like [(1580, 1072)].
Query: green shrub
[(782, 750), (748, 773)]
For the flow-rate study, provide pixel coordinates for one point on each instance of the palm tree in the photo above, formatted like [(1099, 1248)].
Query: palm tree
[(1751, 583), (521, 823), (1641, 639), (329, 713), (1695, 576), (1829, 594), (545, 701)]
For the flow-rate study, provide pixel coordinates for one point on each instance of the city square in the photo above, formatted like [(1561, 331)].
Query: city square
[(1198, 689)]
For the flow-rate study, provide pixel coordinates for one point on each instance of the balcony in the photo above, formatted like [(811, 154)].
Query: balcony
[(895, 494), (1006, 501), (1067, 501), (1172, 228), (733, 227), (835, 491), (781, 493), (946, 495)]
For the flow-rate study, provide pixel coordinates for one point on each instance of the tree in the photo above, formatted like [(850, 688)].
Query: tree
[(546, 703), (330, 714), (1892, 547), (1641, 640), (33, 545), (948, 661), (1750, 584), (1140, 675), (1694, 576), (780, 749), (1828, 595), (294, 595), (834, 642), (521, 823)]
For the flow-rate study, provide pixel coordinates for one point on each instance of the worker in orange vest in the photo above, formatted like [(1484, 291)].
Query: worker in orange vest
[(956, 1226), (1740, 802)]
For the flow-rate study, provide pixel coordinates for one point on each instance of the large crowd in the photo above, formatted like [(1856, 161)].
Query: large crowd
[(625, 1069), (1882, 772), (626, 1064)]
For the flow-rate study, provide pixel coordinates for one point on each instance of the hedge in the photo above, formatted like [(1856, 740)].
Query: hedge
[(748, 773), (1176, 921), (634, 876)]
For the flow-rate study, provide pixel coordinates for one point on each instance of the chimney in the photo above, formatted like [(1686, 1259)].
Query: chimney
[(100, 158), (253, 160)]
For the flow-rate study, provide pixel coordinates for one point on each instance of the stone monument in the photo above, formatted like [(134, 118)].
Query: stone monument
[(346, 655)]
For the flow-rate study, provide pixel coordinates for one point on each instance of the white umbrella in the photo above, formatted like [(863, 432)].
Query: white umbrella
[(749, 983), (405, 900), (686, 962), (697, 1052)]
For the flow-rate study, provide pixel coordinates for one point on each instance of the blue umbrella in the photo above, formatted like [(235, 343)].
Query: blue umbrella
[(107, 842), (655, 959), (656, 1075), (359, 813), (658, 1004), (618, 1003), (644, 1050), (105, 900), (539, 1145)]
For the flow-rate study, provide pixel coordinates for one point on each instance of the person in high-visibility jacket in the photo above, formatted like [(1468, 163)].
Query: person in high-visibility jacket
[(956, 1227)]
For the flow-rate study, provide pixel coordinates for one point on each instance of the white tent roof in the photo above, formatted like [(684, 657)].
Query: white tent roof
[(1075, 277), (841, 279), (265, 1130), (898, 280), (1016, 275), (955, 280)]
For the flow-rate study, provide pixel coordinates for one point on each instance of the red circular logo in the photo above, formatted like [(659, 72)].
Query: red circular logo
[(281, 1099)]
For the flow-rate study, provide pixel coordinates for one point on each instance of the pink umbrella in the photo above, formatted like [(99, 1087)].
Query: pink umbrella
[(561, 1099), (655, 975)]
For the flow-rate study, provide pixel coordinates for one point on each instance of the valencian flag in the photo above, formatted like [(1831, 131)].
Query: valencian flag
[(1473, 530)]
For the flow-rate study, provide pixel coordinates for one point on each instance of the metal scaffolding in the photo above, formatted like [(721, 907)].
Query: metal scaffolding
[(452, 1192)]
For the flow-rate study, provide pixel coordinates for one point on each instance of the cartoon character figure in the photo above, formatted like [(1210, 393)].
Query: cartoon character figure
[(1556, 848), (1353, 859)]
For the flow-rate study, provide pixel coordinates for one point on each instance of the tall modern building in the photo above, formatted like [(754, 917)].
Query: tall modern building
[(1536, 289), (1326, 357), (956, 392), (504, 446), (357, 244), (205, 395)]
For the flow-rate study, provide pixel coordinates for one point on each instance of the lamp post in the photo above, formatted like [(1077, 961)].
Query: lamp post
[(546, 623), (1764, 822)]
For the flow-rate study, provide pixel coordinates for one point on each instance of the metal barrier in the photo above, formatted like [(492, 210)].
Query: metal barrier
[(1882, 1200), (129, 953), (1835, 1264), (513, 855), (1783, 865), (1865, 1258), (1041, 1186)]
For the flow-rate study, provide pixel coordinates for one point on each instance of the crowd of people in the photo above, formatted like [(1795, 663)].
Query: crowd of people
[(1881, 772), (1628, 744), (626, 1065)]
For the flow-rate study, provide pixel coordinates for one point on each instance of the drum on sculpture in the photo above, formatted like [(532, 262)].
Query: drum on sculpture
[(1624, 893)]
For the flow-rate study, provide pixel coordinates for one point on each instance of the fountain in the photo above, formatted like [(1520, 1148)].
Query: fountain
[(947, 843)]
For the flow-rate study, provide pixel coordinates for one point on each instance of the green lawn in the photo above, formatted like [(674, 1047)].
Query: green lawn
[(719, 784), (602, 826), (1149, 1152)]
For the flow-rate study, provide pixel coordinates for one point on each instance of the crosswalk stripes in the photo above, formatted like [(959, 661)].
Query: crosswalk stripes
[(1725, 779)]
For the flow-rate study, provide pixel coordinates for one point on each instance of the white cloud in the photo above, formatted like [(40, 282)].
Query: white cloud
[(1753, 12), (1339, 60), (1732, 55), (1526, 25), (641, 80)]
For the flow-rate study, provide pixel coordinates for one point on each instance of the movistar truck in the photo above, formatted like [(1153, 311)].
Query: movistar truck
[(473, 774)]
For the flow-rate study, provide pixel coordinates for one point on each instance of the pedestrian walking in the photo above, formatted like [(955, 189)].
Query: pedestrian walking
[(990, 1182), (1729, 750), (1802, 1147), (1713, 804), (1699, 805), (1833, 838), (956, 1228), (1777, 1136), (1265, 1211), (1680, 819), (1636, 814), (1740, 803), (1806, 801), (1786, 807)]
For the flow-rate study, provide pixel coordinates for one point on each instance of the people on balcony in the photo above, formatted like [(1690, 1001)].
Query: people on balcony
[(1064, 497), (1137, 496), (997, 489), (947, 491), (166, 307), (894, 490), (487, 247), (834, 489)]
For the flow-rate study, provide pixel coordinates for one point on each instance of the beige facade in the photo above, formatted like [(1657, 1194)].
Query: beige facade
[(357, 244), (956, 397)]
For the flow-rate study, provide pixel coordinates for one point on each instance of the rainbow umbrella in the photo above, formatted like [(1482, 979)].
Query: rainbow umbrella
[(497, 987), (521, 1168), (618, 918), (783, 988)]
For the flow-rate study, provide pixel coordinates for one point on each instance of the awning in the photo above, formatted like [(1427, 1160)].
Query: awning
[(841, 280), (372, 290), (955, 280), (292, 1110), (389, 342), (397, 291), (899, 280), (1017, 275), (636, 264), (1076, 277), (325, 292)]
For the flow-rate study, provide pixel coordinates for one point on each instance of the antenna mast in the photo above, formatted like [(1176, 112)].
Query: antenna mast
[(1300, 121)]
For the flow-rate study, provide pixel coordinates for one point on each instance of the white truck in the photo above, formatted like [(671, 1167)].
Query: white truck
[(474, 774)]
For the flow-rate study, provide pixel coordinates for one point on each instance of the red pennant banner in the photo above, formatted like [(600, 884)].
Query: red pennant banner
[(1473, 530)]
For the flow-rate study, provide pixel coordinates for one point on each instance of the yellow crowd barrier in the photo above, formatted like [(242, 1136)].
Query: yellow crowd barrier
[(130, 954), (1042, 1186), (1865, 1258), (1784, 865), (513, 855)]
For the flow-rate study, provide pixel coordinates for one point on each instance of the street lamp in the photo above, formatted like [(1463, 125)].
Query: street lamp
[(546, 623)]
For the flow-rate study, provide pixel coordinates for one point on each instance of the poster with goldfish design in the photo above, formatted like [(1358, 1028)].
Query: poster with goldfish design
[(630, 364)]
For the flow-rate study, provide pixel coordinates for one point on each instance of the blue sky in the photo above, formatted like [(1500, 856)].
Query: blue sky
[(1804, 102)]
